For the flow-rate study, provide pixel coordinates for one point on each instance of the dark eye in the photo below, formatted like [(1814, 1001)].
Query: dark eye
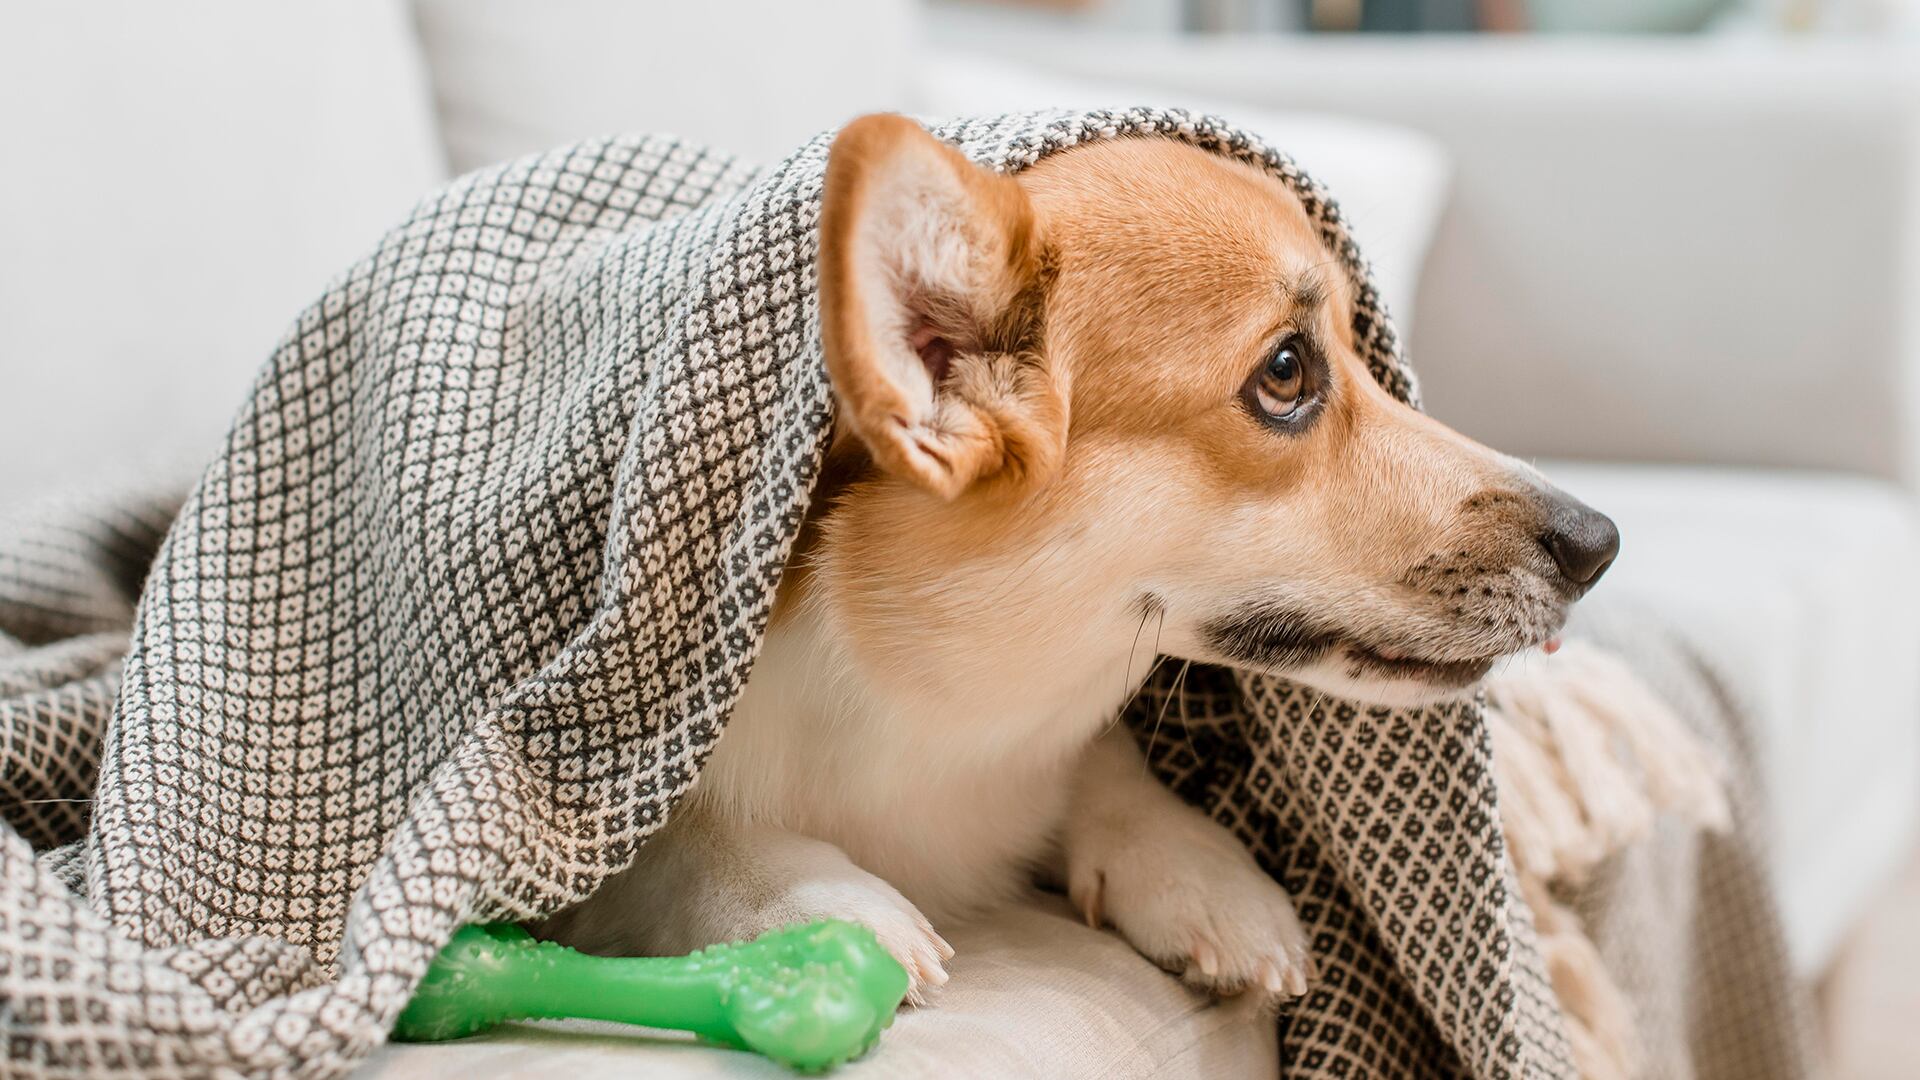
[(1279, 388)]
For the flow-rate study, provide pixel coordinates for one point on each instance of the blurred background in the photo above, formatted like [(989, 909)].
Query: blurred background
[(1668, 248)]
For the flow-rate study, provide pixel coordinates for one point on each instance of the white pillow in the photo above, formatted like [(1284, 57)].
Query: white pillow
[(1391, 183), (181, 178)]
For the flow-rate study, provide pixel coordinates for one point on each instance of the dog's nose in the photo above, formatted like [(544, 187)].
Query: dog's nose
[(1582, 540)]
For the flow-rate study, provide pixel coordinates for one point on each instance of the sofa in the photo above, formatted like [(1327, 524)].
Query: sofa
[(1670, 272)]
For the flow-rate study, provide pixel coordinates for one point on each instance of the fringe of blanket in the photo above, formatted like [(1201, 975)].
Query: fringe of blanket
[(1586, 756)]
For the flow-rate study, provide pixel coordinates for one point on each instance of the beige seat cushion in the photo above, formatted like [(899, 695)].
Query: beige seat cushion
[(1035, 993)]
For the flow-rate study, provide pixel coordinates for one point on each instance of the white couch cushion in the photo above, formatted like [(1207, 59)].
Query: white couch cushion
[(1391, 183), (1801, 588), (1034, 994), (181, 179), (754, 77)]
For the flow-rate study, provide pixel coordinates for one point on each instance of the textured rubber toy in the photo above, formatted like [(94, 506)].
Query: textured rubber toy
[(809, 996)]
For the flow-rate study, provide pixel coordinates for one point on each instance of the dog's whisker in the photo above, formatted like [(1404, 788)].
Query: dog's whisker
[(1158, 656), (1127, 686), (1147, 680), (1133, 689), (1186, 721), (1178, 690), (1154, 738)]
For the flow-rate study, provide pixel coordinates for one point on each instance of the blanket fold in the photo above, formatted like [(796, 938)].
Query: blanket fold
[(463, 602)]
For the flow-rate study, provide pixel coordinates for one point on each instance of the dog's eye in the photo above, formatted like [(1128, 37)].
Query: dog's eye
[(1279, 388)]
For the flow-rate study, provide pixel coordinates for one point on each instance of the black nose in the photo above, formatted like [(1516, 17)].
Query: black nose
[(1582, 540)]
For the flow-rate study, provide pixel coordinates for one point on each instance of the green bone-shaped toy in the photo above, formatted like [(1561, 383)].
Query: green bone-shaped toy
[(809, 996)]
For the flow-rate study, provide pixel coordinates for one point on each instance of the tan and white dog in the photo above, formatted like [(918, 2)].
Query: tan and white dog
[(1118, 390)]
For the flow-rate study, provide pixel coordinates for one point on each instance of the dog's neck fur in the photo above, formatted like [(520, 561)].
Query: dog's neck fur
[(950, 762)]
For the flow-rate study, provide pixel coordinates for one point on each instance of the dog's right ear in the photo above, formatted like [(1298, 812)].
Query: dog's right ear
[(933, 279)]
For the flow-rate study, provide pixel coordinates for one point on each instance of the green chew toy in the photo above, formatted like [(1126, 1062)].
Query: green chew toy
[(810, 996)]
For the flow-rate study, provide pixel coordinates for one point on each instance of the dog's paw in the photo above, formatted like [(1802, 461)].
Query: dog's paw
[(859, 897), (1191, 899)]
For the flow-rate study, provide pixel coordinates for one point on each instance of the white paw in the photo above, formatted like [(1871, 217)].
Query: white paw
[(1191, 899), (856, 896), (710, 881)]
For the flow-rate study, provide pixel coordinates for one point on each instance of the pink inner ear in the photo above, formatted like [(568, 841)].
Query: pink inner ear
[(935, 351)]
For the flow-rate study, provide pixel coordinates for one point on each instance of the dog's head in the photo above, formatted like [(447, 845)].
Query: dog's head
[(1118, 394)]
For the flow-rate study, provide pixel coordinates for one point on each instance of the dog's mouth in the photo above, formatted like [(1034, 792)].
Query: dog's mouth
[(1368, 663), (1283, 639), (1384, 663)]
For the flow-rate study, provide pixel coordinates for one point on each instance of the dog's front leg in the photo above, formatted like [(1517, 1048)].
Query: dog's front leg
[(704, 879), (1175, 883)]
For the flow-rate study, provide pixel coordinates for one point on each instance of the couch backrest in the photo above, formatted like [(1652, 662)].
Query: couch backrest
[(755, 77), (180, 179), (183, 177), (1657, 249)]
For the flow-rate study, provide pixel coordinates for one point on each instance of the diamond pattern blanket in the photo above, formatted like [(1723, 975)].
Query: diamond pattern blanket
[(464, 600)]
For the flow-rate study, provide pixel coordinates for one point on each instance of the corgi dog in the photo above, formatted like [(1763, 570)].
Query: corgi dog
[(1117, 390)]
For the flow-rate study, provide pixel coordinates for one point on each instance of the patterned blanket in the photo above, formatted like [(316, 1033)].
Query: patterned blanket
[(463, 602)]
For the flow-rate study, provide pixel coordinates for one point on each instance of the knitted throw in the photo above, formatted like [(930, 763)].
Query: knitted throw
[(464, 600)]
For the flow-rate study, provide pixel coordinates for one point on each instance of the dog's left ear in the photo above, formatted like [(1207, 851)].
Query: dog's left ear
[(933, 280)]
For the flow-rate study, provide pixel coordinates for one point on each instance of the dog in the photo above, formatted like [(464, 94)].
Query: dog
[(1111, 401)]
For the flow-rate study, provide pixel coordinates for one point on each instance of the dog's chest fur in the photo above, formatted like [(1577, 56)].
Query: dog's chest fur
[(952, 797)]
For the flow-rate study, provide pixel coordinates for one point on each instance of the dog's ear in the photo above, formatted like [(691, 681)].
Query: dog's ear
[(933, 280)]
